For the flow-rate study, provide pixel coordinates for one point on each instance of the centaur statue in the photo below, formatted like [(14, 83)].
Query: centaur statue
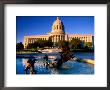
[(65, 55)]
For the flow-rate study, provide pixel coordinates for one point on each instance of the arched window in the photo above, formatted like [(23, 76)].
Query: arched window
[(57, 26)]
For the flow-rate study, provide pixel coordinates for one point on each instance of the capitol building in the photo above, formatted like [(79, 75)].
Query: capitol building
[(57, 34)]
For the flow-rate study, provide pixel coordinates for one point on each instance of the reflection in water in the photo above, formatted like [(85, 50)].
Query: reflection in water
[(24, 62), (54, 71), (40, 64), (69, 67)]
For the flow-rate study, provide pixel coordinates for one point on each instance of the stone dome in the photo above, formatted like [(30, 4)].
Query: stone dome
[(58, 27)]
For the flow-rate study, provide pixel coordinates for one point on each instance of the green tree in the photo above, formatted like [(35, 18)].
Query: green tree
[(19, 46), (31, 46), (88, 45), (56, 44), (64, 45), (40, 44), (49, 43), (75, 43)]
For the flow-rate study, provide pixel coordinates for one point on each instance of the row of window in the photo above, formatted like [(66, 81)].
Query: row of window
[(57, 27), (34, 39), (58, 36), (81, 38)]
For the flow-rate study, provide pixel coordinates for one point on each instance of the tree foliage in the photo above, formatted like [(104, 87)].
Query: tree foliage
[(19, 46), (75, 43), (88, 45), (64, 45)]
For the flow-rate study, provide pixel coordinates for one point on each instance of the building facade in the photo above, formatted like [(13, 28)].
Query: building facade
[(57, 34)]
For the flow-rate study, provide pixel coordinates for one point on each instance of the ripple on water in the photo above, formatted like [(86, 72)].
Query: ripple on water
[(69, 67)]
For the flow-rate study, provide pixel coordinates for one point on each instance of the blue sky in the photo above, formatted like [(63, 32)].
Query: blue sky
[(37, 25)]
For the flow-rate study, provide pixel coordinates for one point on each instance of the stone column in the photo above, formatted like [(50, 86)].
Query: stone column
[(56, 38), (63, 37), (52, 38), (60, 37)]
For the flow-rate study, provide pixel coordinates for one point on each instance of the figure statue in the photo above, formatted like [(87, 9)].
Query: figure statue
[(30, 66)]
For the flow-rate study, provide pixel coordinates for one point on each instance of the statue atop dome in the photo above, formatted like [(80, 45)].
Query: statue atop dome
[(57, 18)]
